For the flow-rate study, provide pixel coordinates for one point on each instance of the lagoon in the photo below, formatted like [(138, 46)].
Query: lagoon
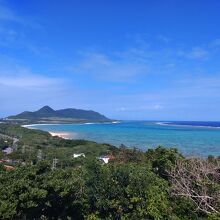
[(190, 138)]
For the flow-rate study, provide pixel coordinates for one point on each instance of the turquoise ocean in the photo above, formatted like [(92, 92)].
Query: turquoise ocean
[(190, 138)]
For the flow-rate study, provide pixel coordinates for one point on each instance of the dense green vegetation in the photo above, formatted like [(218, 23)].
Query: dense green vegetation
[(157, 184), (5, 142), (32, 141)]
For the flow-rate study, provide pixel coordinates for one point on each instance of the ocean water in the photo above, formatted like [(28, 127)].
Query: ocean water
[(191, 138)]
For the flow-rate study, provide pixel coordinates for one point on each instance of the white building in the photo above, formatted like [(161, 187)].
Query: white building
[(105, 159), (8, 150), (79, 155)]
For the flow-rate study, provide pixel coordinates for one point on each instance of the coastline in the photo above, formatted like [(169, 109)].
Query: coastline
[(179, 125), (61, 134), (33, 125), (85, 123), (64, 135), (141, 135)]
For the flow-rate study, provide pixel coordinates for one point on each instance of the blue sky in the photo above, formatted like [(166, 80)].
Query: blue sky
[(128, 59)]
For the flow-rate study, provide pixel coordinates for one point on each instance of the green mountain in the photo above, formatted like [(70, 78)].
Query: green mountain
[(69, 115)]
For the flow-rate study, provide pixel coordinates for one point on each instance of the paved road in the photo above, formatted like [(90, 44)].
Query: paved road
[(15, 140), (15, 145)]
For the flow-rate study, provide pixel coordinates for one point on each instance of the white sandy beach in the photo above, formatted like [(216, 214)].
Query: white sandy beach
[(33, 125), (64, 135), (86, 123)]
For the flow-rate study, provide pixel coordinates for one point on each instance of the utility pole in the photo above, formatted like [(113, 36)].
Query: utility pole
[(39, 155), (23, 149), (55, 161)]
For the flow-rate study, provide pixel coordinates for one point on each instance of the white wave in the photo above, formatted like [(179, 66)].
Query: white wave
[(163, 123), (33, 125), (115, 122), (179, 125)]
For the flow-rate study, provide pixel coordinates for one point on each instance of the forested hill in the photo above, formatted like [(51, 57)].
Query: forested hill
[(69, 115), (42, 179)]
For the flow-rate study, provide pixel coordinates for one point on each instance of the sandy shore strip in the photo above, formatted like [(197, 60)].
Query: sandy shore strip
[(64, 135), (190, 126), (83, 123), (33, 125)]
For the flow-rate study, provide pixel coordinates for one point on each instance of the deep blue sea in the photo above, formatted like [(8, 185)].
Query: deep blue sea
[(191, 138)]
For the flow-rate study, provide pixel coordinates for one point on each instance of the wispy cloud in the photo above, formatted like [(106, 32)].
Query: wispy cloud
[(139, 78), (9, 37), (129, 64), (104, 67), (31, 81), (143, 107), (164, 38), (15, 32), (205, 86), (215, 43), (195, 53), (16, 76), (8, 15), (141, 61), (22, 89)]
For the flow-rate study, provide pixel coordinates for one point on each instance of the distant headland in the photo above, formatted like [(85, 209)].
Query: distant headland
[(64, 116)]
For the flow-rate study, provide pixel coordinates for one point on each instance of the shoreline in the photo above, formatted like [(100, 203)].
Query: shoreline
[(184, 147), (86, 123), (33, 125), (191, 126), (64, 135), (61, 134)]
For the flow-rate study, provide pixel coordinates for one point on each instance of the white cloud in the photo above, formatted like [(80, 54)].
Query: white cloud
[(17, 76), (164, 38), (157, 106), (136, 62), (6, 14), (215, 43), (121, 109), (27, 81), (103, 67), (201, 85), (195, 53), (21, 89), (141, 107), (15, 30)]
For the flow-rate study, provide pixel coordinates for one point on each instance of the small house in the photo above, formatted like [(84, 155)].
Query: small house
[(79, 155), (8, 150), (106, 159)]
